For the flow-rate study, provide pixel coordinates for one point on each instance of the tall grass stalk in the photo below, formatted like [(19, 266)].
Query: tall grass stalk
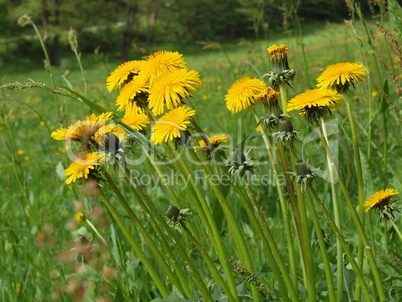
[(282, 200), (25, 20), (323, 249), (207, 219), (137, 249), (356, 269), (145, 202), (180, 283), (237, 234), (359, 176), (356, 220), (337, 217)]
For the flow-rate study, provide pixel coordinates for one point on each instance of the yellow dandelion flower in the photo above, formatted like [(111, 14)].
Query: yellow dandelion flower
[(160, 62), (123, 74), (83, 165), (42, 123), (215, 140), (132, 93), (170, 125), (136, 120), (20, 152), (171, 88), (83, 129), (244, 93), (80, 217), (313, 104), (380, 199), (340, 76)]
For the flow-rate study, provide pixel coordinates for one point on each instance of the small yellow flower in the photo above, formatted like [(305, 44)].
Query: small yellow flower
[(340, 76), (244, 93), (20, 152), (136, 120), (380, 199), (42, 123), (313, 104), (171, 125), (374, 93), (171, 88), (123, 74), (215, 140), (83, 166), (26, 158), (80, 217)]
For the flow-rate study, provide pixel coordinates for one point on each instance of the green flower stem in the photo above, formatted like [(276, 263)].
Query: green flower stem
[(209, 223), (323, 249), (172, 194), (337, 217), (305, 239), (356, 269), (282, 200), (355, 216), (257, 226), (145, 202), (151, 270), (234, 227), (271, 249), (396, 229), (299, 213), (282, 93), (360, 183), (386, 237), (212, 267), (181, 285)]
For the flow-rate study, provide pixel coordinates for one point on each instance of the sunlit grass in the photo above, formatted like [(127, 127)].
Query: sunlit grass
[(37, 212)]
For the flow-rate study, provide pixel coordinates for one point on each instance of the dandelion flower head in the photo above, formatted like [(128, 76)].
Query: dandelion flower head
[(171, 88), (124, 73), (340, 76), (170, 125), (380, 199), (244, 93), (83, 165), (215, 140)]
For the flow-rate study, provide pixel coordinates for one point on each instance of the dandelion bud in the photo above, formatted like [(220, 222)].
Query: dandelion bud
[(172, 212), (177, 216), (304, 175), (286, 133), (279, 57)]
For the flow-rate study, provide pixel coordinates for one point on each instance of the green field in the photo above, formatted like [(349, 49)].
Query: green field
[(39, 237)]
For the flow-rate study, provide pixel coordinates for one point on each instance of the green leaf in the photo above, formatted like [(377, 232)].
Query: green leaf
[(395, 13), (95, 107), (118, 297)]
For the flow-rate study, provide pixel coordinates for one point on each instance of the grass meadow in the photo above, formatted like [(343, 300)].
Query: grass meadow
[(45, 254)]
